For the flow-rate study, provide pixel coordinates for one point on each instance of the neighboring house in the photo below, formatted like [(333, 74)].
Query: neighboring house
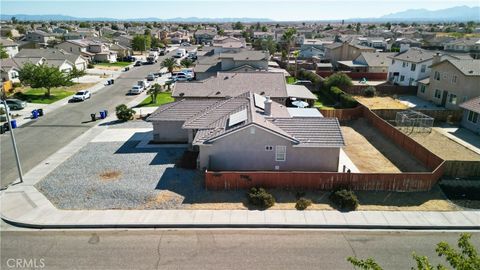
[(223, 44), (9, 46), (90, 49), (249, 132), (344, 52), (378, 43), (451, 82), (471, 114), (9, 69), (242, 61), (468, 45), (410, 66), (204, 36), (39, 37), (313, 48), (370, 62), (178, 37), (263, 35), (124, 40), (121, 50), (56, 57)]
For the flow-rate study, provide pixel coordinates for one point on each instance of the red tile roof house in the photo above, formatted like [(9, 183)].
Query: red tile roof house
[(250, 132)]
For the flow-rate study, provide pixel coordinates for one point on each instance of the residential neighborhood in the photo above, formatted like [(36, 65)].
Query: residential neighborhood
[(116, 129)]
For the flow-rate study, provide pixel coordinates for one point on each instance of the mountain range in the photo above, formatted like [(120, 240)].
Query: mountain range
[(459, 14)]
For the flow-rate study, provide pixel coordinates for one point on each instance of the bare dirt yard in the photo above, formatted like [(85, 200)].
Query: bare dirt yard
[(444, 147), (370, 151), (380, 102)]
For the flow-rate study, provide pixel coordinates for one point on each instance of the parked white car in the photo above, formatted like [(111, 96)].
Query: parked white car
[(82, 95), (136, 89)]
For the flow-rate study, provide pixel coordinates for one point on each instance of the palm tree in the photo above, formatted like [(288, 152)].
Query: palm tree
[(289, 37), (154, 91), (186, 63), (295, 54), (169, 63)]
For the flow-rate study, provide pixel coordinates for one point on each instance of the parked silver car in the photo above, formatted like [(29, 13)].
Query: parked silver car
[(16, 104)]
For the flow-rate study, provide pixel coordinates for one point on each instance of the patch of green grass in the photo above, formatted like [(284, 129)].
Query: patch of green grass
[(324, 101), (291, 80), (116, 64), (37, 95), (162, 98)]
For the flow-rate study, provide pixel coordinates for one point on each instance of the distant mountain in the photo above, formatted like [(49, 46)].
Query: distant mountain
[(54, 17), (460, 13)]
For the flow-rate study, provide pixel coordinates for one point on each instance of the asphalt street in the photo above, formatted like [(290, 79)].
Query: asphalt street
[(218, 249), (40, 139)]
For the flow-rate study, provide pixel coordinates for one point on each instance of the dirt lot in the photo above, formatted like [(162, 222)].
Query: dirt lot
[(380, 102), (372, 152), (444, 147)]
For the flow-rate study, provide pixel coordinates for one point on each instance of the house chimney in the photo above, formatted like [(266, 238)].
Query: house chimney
[(268, 106), (436, 58)]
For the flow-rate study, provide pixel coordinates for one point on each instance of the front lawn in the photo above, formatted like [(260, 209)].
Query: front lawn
[(116, 64), (162, 98), (37, 95)]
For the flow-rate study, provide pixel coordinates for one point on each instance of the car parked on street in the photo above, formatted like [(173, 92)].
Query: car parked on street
[(81, 95), (151, 77), (16, 104), (136, 89), (138, 63)]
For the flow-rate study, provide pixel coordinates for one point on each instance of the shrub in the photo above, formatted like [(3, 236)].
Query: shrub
[(303, 203), (337, 79), (260, 197), (336, 92), (348, 101), (124, 113), (90, 65), (344, 199), (16, 84), (369, 91)]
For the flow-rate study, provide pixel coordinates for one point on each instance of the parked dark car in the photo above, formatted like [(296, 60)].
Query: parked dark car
[(138, 63), (129, 59), (161, 53), (16, 104)]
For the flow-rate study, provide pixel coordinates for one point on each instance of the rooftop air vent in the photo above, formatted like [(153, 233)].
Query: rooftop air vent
[(181, 94)]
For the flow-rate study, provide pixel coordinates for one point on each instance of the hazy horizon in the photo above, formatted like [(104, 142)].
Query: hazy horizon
[(267, 9)]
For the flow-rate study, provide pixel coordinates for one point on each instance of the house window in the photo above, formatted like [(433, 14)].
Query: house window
[(452, 99), (436, 76), (438, 94), (413, 67), (472, 117), (402, 78), (423, 68), (280, 153), (393, 61), (422, 88), (454, 79), (404, 64), (268, 148)]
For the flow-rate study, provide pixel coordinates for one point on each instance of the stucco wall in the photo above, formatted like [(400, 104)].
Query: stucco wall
[(169, 131), (243, 150), (475, 127)]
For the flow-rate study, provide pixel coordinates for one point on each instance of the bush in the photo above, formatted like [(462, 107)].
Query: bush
[(348, 101), (303, 203), (336, 92), (344, 199), (90, 65), (124, 113), (260, 197), (337, 79), (369, 91)]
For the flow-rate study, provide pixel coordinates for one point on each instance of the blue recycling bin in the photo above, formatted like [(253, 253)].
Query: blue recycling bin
[(106, 113), (34, 114), (13, 123), (102, 115)]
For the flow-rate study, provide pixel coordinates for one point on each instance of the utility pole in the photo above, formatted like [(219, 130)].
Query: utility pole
[(17, 158)]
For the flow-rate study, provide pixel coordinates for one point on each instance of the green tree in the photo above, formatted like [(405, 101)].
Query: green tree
[(169, 63), (14, 20), (221, 32), (357, 27), (238, 26), (141, 43), (466, 258), (43, 76), (154, 91), (264, 28), (289, 38), (388, 25), (338, 80), (186, 63), (84, 25), (76, 73), (114, 27), (124, 113), (296, 54), (21, 29), (156, 43), (3, 52)]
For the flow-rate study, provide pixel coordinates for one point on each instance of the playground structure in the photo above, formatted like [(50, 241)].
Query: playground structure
[(412, 121)]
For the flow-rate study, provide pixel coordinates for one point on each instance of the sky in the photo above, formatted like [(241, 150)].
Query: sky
[(279, 10)]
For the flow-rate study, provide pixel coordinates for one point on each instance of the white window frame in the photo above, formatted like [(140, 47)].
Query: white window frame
[(280, 153), (423, 68)]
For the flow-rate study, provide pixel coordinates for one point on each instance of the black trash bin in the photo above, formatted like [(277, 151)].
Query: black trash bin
[(5, 127), (112, 81), (93, 116), (1, 129), (40, 112)]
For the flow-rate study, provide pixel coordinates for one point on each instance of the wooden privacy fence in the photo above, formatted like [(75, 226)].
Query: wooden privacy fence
[(408, 181)]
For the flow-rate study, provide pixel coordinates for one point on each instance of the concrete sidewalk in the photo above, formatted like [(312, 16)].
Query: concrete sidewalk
[(23, 205)]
